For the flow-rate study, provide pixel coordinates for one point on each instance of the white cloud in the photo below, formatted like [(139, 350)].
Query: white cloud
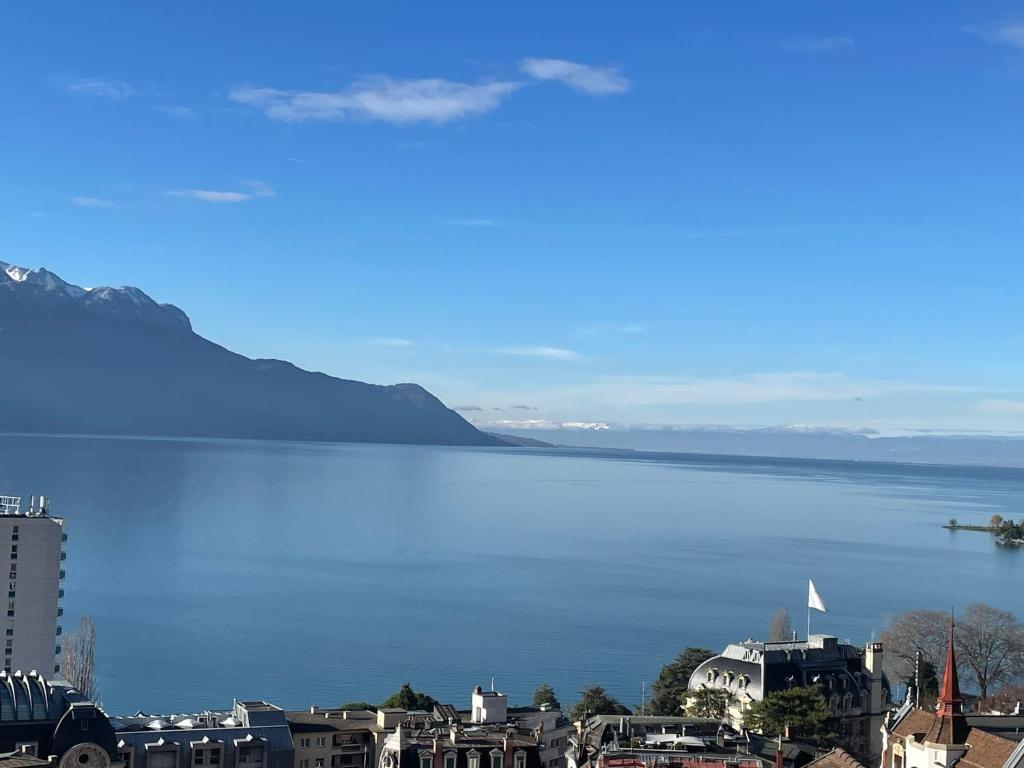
[(380, 98), (819, 44), (522, 424), (391, 341), (1005, 32), (554, 353), (601, 81), (103, 87), (255, 189), (84, 201), (1001, 407)]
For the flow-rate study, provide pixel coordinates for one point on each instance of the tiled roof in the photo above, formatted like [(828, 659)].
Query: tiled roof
[(986, 750), (837, 758), (21, 761), (917, 723)]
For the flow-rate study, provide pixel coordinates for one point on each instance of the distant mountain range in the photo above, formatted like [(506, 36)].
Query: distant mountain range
[(794, 442), (113, 361)]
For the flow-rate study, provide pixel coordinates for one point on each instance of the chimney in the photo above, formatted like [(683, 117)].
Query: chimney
[(506, 747), (438, 752), (778, 752)]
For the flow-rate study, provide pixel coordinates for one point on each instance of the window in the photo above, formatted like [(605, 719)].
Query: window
[(304, 763), (319, 762), (426, 761), (321, 741), (125, 756), (473, 759), (162, 758), (253, 754), (496, 758), (304, 743), (27, 747), (206, 756), (521, 759), (10, 593), (449, 760)]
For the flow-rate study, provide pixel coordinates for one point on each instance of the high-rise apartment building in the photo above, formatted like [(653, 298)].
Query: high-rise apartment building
[(32, 543)]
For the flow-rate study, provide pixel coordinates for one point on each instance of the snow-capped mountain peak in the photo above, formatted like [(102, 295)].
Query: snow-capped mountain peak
[(125, 301)]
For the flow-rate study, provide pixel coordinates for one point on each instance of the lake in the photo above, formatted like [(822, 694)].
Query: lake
[(311, 573)]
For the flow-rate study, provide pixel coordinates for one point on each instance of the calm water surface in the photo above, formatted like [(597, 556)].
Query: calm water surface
[(325, 573)]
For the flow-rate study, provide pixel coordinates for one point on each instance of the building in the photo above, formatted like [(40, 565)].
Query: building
[(851, 680), (488, 736), (252, 734), (334, 738), (34, 543), (49, 720), (920, 738)]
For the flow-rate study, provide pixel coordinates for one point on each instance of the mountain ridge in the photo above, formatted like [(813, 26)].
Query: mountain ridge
[(114, 361)]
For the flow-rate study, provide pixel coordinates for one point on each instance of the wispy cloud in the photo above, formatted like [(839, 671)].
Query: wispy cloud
[(1004, 32), (603, 329), (473, 222), (298, 160), (523, 407), (554, 353), (467, 408), (819, 44), (391, 341), (254, 189), (380, 98), (176, 110), (1000, 407), (85, 201), (102, 87), (600, 81)]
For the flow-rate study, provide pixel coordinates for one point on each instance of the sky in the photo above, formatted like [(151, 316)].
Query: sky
[(685, 213)]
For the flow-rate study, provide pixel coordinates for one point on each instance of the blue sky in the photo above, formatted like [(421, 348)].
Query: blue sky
[(660, 213)]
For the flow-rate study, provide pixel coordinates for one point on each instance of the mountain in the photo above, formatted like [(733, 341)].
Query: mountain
[(113, 361), (794, 442)]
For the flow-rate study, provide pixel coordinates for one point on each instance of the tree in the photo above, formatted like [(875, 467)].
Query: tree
[(406, 698), (711, 703), (672, 684), (910, 632), (596, 701), (929, 683), (990, 644), (78, 658), (996, 521), (1005, 700), (545, 694), (358, 706), (781, 628), (803, 710)]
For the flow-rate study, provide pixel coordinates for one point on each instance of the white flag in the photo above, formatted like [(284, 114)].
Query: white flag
[(814, 599)]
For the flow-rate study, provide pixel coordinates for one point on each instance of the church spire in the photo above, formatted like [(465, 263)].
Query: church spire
[(950, 726)]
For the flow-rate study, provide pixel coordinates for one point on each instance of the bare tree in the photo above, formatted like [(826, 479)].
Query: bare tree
[(78, 658), (913, 631), (781, 628), (990, 644)]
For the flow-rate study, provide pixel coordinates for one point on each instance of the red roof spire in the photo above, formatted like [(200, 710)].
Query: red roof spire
[(950, 700), (950, 726)]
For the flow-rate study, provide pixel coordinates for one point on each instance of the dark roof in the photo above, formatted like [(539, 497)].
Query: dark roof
[(838, 758), (1010, 726), (304, 721)]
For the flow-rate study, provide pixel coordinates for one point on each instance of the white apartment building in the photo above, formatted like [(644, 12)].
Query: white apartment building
[(32, 544)]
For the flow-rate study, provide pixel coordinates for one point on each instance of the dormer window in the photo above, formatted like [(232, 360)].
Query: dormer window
[(450, 759), (473, 759), (496, 758), (520, 761), (426, 760)]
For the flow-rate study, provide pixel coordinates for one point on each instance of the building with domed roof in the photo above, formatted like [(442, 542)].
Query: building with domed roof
[(851, 680)]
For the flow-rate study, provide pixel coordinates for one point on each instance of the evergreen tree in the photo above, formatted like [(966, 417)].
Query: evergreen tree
[(669, 689), (596, 701), (802, 710), (545, 694), (406, 698)]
